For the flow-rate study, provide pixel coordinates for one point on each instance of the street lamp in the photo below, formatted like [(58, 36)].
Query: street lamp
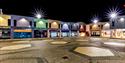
[(38, 16), (95, 21), (113, 15), (38, 13)]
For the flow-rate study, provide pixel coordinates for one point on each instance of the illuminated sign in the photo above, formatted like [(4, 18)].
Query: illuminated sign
[(26, 30)]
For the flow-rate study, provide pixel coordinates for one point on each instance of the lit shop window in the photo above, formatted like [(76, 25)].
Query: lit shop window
[(81, 28), (23, 23), (65, 27), (54, 25), (75, 26), (106, 26), (3, 22), (82, 34), (95, 27), (40, 24)]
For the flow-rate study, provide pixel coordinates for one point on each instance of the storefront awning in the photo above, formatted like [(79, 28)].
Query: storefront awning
[(23, 30)]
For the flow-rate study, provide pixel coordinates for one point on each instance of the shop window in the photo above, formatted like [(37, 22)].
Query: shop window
[(54, 25)]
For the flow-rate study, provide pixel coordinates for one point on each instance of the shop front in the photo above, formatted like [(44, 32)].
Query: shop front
[(40, 30), (54, 29), (25, 33), (106, 31), (22, 27), (74, 29), (82, 30), (5, 27), (54, 33), (95, 30), (88, 30), (65, 30), (118, 33), (5, 33)]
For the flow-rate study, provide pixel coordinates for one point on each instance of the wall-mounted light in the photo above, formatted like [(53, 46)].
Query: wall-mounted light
[(122, 19)]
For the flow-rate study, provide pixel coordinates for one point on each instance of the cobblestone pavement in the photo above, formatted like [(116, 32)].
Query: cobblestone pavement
[(42, 51)]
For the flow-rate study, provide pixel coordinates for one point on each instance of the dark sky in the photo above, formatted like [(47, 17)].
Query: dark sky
[(65, 10)]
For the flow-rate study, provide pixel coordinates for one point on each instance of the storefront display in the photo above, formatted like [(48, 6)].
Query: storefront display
[(95, 33), (65, 34), (40, 33), (74, 29), (74, 34), (5, 23), (23, 33), (54, 34), (65, 30), (54, 29), (82, 31), (106, 33), (22, 26), (5, 33), (118, 33), (96, 29), (82, 34)]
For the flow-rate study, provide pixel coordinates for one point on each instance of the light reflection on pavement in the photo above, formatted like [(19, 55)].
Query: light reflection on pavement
[(94, 51), (15, 47)]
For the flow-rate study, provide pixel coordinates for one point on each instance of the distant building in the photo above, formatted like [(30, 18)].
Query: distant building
[(95, 29)]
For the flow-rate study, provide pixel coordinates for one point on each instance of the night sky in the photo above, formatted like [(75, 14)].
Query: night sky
[(65, 10)]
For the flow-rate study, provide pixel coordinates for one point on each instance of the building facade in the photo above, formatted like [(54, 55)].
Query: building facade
[(5, 27), (74, 29), (95, 29), (40, 28), (54, 29), (65, 29), (82, 29), (22, 26)]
